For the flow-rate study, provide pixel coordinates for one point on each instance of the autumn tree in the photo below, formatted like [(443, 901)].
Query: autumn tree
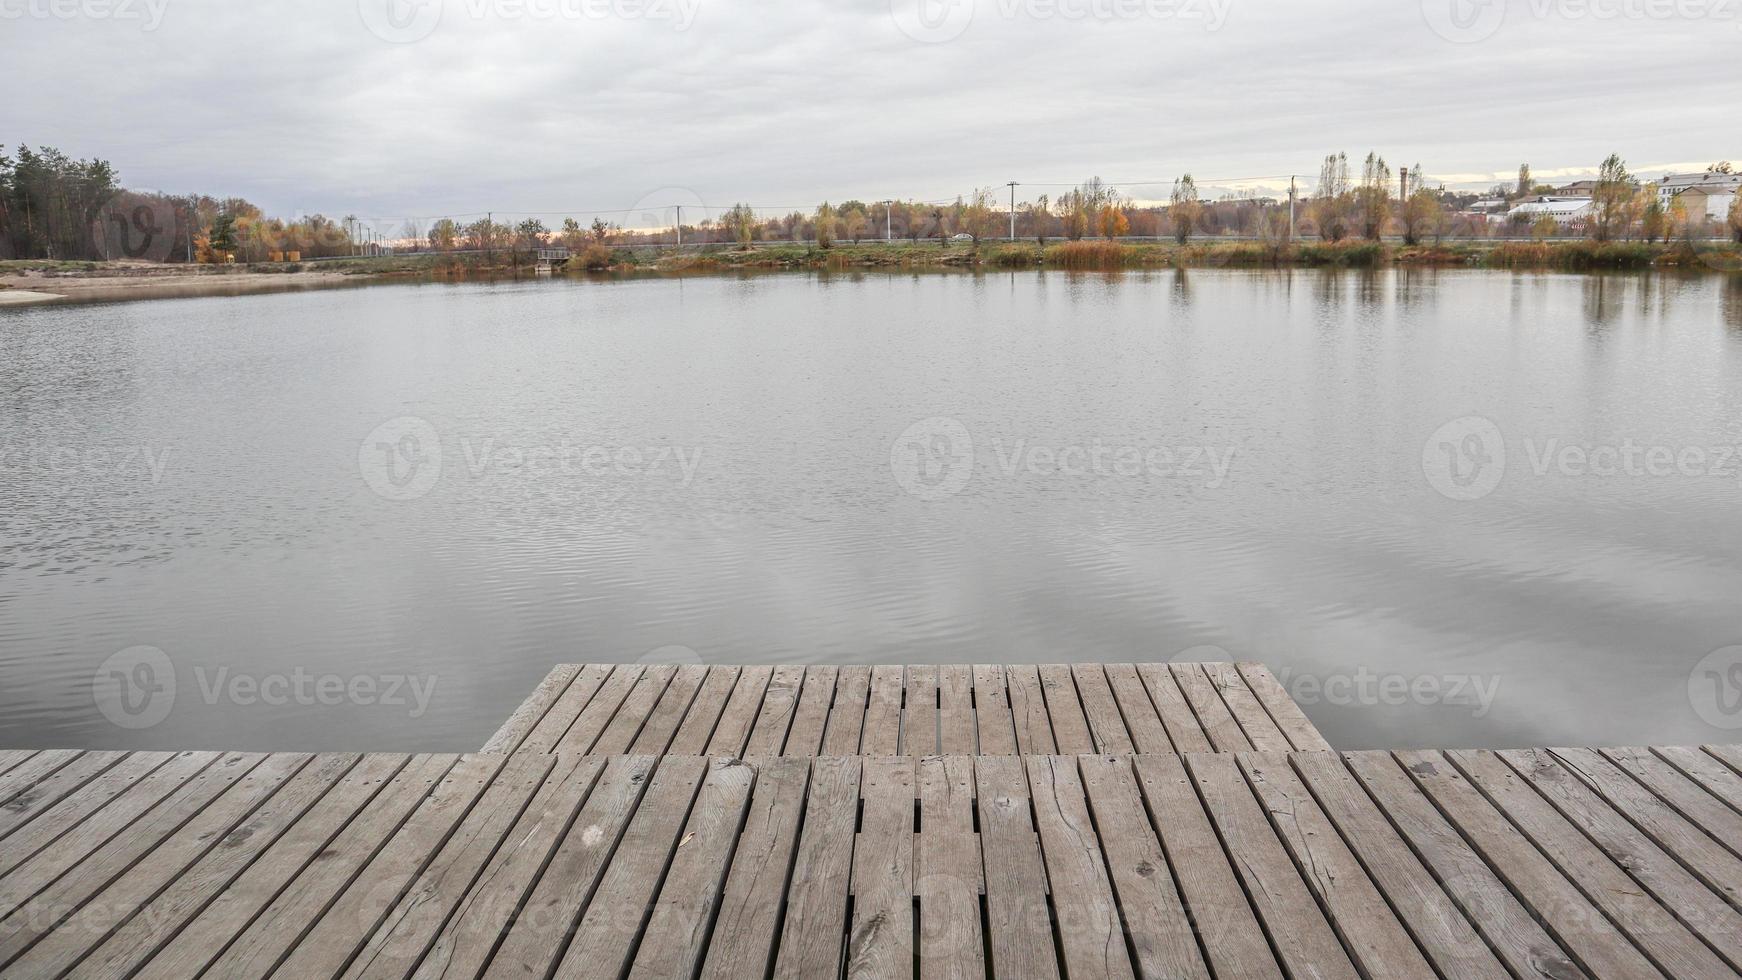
[(1544, 227), (530, 234), (1330, 208), (854, 222), (1610, 197), (573, 237), (1734, 219), (1654, 221), (1184, 208), (1038, 215), (824, 226), (1373, 196), (602, 230), (739, 222), (1524, 185), (1422, 215)]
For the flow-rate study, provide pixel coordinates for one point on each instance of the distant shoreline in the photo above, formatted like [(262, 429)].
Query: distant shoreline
[(25, 283)]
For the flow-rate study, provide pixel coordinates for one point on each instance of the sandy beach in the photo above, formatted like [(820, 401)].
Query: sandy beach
[(133, 282)]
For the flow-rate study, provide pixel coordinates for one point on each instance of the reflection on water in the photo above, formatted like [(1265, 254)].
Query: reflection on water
[(306, 500)]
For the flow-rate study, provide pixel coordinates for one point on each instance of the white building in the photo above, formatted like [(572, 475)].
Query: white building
[(1711, 183), (1565, 211)]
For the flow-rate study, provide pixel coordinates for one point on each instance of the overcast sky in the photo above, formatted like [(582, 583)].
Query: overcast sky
[(398, 108)]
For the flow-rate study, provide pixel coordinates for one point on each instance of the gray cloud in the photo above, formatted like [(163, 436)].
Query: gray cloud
[(303, 107)]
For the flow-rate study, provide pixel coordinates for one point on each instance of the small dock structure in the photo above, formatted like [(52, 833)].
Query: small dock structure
[(1053, 821)]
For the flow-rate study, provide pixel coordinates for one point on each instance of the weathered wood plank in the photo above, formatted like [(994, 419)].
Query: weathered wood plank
[(1302, 937), (68, 794), (1288, 715), (1091, 939), (677, 930), (632, 715), (1028, 708), (1559, 904), (747, 927), (101, 826), (774, 718), (947, 869), (846, 724), (811, 715), (1232, 938), (880, 944), (593, 720), (680, 693), (550, 728), (1018, 919), (606, 936), (407, 929), (698, 726), (37, 766), (541, 930), (1142, 721), (538, 704), (732, 732), (172, 834), (995, 726), (1423, 908), (73, 807), (139, 932), (1713, 776), (882, 732), (1070, 726), (326, 948), (1510, 928), (1106, 724), (1260, 729), (1162, 937), (956, 724), (1183, 727), (256, 949), (1370, 932), (1644, 858), (1220, 727), (812, 937), (469, 936), (1671, 787), (919, 721)]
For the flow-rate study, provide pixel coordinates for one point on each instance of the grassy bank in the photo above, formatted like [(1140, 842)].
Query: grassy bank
[(1107, 255), (1090, 255)]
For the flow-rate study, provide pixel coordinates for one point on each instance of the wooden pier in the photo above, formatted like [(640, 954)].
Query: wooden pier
[(962, 857)]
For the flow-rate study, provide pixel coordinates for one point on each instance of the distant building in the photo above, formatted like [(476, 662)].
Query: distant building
[(1490, 205), (1566, 211), (1706, 181), (1713, 201), (1576, 189)]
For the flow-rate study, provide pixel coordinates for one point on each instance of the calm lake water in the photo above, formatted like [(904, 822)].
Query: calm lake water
[(1447, 508)]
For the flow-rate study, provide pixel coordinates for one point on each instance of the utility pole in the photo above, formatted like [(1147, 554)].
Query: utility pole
[(888, 222), (1291, 209), (489, 237), (1012, 185), (1403, 183), (680, 226)]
